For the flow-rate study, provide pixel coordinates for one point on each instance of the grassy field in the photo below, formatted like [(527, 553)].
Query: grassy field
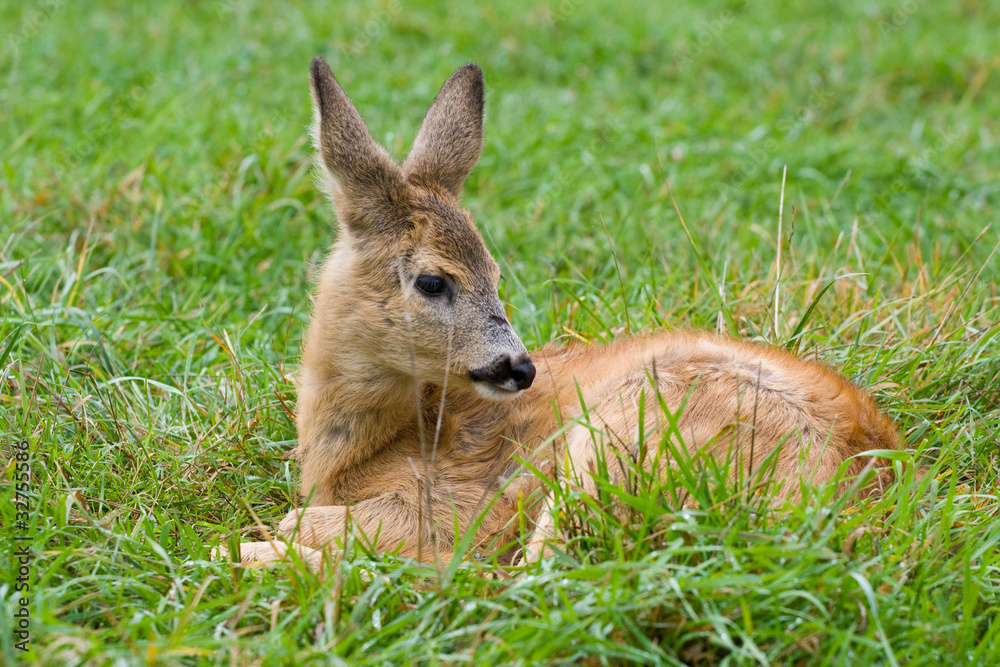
[(158, 228)]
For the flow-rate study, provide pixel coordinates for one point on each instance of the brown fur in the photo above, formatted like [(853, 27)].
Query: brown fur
[(379, 356)]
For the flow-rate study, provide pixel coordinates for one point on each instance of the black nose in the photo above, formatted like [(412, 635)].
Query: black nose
[(523, 374), (503, 372)]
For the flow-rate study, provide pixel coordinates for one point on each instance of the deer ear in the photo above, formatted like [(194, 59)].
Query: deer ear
[(450, 139), (360, 174)]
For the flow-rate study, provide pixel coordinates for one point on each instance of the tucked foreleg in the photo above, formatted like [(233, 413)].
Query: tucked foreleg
[(315, 527), (273, 551), (384, 524), (387, 523), (312, 530)]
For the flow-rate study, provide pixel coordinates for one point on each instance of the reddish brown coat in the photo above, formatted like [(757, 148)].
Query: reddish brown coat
[(379, 352)]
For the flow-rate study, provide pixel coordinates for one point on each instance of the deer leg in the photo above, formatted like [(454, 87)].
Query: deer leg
[(314, 526), (266, 552), (386, 523), (318, 527)]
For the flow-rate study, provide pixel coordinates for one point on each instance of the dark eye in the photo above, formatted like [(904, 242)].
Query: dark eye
[(431, 285)]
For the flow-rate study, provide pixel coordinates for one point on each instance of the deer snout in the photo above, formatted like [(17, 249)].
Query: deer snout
[(523, 373), (506, 374)]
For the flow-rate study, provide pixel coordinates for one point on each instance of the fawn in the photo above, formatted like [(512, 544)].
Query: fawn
[(416, 395)]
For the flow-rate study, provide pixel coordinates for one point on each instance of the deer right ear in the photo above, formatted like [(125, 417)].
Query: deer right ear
[(360, 174), (450, 139)]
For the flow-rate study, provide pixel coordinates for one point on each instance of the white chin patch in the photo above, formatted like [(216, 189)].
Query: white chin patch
[(495, 392)]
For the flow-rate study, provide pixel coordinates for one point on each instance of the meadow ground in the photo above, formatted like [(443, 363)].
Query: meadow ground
[(158, 222)]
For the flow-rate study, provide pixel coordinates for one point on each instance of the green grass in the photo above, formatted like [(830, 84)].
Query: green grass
[(159, 223)]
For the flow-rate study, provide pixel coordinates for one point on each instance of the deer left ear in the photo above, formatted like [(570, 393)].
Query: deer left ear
[(450, 139)]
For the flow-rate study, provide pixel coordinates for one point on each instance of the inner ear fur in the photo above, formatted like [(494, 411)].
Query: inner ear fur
[(450, 140)]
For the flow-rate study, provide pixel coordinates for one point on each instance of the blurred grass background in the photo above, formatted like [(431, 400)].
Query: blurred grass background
[(158, 222)]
